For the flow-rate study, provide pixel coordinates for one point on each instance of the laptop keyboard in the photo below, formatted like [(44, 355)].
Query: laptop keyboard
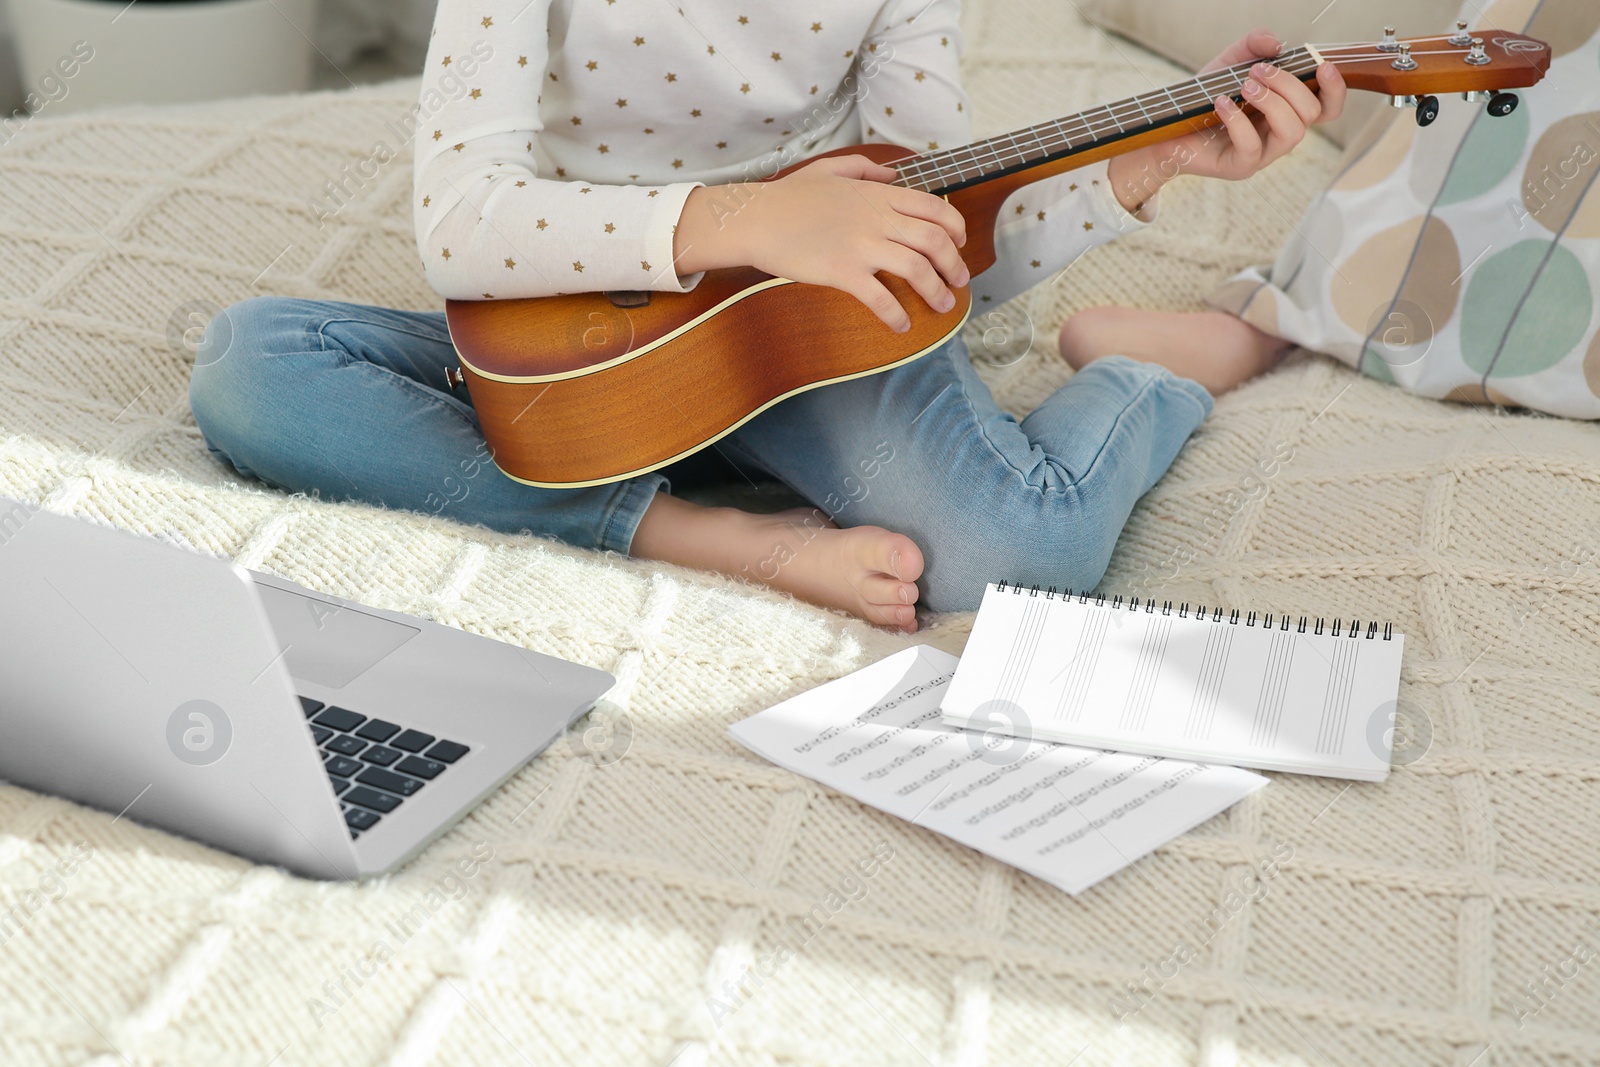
[(375, 764)]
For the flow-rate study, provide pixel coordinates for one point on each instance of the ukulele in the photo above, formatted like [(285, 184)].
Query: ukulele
[(589, 388)]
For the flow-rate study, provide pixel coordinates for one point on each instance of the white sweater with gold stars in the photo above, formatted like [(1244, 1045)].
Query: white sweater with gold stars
[(557, 140)]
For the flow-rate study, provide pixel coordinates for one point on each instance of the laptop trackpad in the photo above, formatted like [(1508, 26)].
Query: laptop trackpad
[(326, 642)]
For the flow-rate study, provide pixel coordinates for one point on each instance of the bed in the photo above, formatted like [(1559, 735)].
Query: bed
[(1415, 922)]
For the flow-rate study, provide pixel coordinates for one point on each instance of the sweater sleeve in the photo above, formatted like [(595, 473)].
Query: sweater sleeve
[(1046, 227), (488, 225), (909, 73)]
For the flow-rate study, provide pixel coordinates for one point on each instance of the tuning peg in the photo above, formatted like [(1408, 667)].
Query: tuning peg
[(1478, 57), (1478, 96), (1388, 44), (1426, 107), (1404, 61), (1462, 38), (1503, 104)]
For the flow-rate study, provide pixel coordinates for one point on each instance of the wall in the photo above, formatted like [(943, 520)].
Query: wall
[(345, 28)]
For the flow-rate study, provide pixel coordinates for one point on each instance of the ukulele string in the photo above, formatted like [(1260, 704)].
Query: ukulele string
[(1408, 40), (1054, 135), (924, 167), (933, 171)]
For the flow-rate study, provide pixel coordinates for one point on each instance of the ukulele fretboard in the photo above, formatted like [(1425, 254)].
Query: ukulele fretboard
[(945, 170)]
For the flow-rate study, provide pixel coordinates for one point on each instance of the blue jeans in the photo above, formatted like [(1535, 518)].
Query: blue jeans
[(350, 402)]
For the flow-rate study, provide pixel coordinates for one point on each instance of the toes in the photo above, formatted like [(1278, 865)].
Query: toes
[(886, 591), (890, 553), (907, 559), (888, 601), (895, 616)]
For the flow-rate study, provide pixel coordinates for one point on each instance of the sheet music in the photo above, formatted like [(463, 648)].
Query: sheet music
[(1071, 816), (1269, 692)]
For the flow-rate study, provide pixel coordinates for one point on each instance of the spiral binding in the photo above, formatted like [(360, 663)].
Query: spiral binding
[(1216, 615)]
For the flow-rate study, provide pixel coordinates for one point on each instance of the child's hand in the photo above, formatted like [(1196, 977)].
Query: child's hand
[(834, 222), (1246, 143)]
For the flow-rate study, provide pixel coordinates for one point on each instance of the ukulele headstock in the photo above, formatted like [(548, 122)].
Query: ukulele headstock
[(1483, 66)]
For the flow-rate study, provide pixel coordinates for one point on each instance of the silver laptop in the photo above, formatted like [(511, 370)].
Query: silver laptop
[(248, 712)]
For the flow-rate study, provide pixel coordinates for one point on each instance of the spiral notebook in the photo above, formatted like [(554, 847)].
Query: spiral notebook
[(1273, 692)]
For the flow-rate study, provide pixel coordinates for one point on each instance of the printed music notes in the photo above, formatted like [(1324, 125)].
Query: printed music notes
[(1071, 816)]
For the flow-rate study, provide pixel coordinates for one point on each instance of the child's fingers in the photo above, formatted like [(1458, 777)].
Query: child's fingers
[(1331, 88), (935, 209), (1285, 127), (856, 166), (1242, 133), (1257, 44), (1296, 92), (932, 242), (875, 295), (914, 267), (1263, 43)]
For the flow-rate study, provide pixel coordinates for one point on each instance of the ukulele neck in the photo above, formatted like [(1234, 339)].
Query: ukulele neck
[(944, 171)]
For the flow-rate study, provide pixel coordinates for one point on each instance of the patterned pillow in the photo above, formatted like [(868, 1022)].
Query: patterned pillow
[(1461, 262)]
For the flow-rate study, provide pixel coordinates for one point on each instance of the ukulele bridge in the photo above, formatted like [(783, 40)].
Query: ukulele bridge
[(629, 298)]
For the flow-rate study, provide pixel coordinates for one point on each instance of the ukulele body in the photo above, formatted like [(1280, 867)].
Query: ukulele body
[(590, 388)]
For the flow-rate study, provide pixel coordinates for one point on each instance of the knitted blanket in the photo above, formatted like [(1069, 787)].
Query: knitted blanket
[(646, 907)]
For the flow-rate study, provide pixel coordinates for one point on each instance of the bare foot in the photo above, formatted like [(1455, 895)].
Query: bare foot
[(867, 571), (1218, 350)]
